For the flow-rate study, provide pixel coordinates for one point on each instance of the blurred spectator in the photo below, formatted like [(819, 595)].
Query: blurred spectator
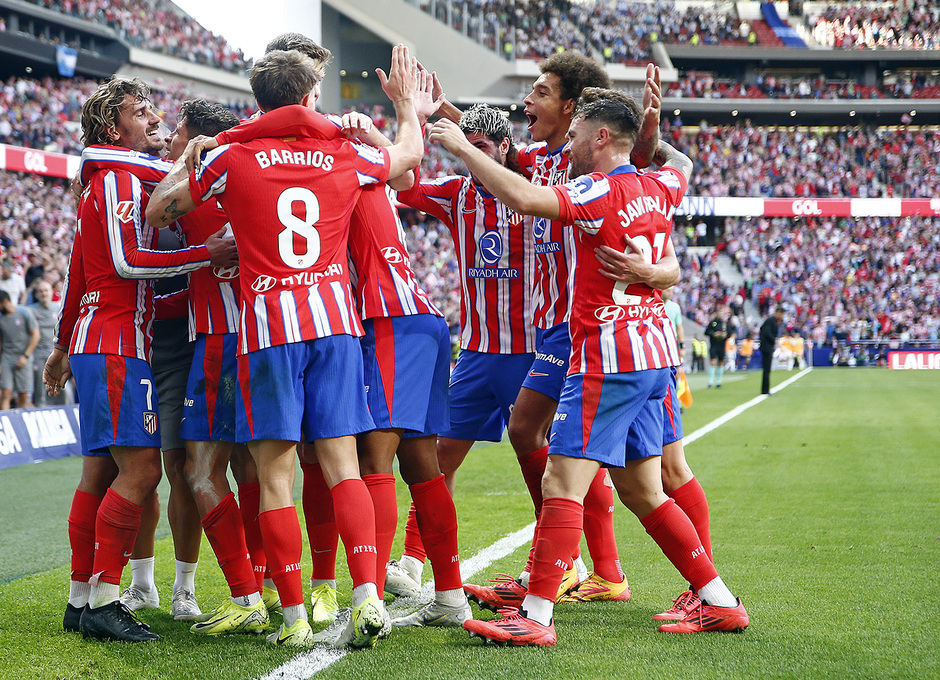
[(46, 312), (19, 336), (12, 282)]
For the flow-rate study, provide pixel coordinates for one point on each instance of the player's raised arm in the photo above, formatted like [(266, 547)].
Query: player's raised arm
[(509, 187), (667, 156), (647, 141), (400, 85)]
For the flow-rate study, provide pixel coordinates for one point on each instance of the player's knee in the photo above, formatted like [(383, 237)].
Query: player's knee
[(524, 435)]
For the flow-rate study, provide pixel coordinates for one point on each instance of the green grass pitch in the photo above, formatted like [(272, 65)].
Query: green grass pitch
[(825, 506)]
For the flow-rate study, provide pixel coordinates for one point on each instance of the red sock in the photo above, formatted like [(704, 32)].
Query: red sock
[(249, 502), (438, 521), (116, 529), (284, 545), (673, 532), (413, 545), (691, 498), (355, 519), (321, 524), (559, 531), (226, 534), (82, 517), (533, 467), (599, 528), (382, 490)]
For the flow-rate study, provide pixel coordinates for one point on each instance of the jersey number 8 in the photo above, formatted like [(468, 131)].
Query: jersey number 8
[(293, 225)]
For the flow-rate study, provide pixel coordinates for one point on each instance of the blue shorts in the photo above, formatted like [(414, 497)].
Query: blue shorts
[(117, 402), (406, 363), (483, 389), (598, 413), (547, 373), (672, 417), (314, 388), (209, 405)]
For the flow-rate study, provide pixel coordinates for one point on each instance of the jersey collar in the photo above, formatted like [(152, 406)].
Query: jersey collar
[(623, 170)]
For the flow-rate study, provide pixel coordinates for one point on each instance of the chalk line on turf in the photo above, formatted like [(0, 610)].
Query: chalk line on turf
[(307, 664)]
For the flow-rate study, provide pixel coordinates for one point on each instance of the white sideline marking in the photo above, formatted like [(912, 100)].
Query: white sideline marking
[(307, 664), (738, 410)]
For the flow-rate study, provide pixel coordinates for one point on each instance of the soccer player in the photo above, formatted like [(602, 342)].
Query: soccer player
[(207, 402), (678, 481), (171, 357), (104, 337), (497, 339), (300, 364), (622, 351), (549, 108), (406, 354)]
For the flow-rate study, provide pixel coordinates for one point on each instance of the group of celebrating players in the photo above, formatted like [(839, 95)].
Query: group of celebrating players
[(319, 342)]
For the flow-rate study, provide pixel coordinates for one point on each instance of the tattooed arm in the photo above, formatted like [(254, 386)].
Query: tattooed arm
[(171, 199)]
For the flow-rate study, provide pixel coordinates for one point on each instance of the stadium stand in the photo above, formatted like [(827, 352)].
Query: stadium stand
[(909, 25), (919, 85), (873, 277), (158, 26), (616, 30)]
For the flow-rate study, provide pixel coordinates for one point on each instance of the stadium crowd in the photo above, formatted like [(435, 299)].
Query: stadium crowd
[(156, 25), (617, 30), (748, 160), (867, 278), (910, 25), (44, 114), (706, 85)]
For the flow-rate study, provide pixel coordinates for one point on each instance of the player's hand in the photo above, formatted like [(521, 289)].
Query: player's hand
[(75, 185), (648, 138), (628, 266), (437, 90), (400, 83), (356, 125), (222, 251), (449, 135), (426, 104), (56, 372), (22, 360), (192, 154)]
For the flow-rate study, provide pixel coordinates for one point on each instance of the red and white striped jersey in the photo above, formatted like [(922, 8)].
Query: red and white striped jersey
[(615, 327), (213, 291), (555, 250), (496, 256), (380, 267), (384, 281), (289, 202), (108, 302)]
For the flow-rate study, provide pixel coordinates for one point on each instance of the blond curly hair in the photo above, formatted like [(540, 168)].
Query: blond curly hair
[(100, 113)]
